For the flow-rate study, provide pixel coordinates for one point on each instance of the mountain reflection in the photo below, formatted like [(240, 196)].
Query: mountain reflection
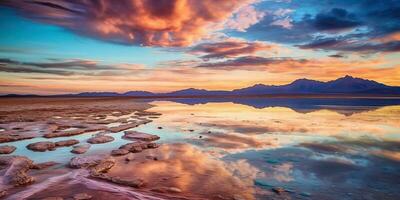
[(226, 127), (346, 106), (313, 148)]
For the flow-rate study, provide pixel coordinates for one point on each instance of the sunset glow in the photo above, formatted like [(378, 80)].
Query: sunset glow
[(58, 47)]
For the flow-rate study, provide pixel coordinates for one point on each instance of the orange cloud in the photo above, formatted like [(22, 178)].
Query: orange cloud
[(143, 22), (230, 48), (388, 38), (391, 155)]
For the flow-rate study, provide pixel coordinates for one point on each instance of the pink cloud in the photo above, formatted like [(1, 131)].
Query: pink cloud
[(244, 18), (285, 23)]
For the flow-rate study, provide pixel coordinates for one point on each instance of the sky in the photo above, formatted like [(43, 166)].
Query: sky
[(64, 46)]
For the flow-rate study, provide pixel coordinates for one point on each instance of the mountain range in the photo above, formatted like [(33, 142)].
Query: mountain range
[(346, 85)]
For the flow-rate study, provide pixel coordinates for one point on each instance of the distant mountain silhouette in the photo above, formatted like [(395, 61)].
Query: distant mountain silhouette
[(196, 92), (138, 93), (111, 94), (96, 94), (20, 95), (346, 85)]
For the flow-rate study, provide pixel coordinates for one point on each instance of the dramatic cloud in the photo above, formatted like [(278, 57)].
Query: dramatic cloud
[(141, 22), (229, 49), (224, 44), (348, 26)]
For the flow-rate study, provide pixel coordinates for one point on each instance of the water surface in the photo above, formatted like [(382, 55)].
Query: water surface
[(313, 148), (322, 148)]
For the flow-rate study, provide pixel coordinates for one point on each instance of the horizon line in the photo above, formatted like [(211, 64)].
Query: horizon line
[(161, 93)]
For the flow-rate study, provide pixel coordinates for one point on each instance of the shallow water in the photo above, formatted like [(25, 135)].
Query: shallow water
[(312, 148), (328, 152)]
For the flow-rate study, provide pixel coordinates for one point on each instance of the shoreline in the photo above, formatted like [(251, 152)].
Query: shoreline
[(334, 95)]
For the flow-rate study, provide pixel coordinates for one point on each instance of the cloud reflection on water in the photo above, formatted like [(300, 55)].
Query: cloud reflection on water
[(323, 153), (232, 127), (193, 171)]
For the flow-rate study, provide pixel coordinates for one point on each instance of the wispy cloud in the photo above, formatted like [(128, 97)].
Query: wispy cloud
[(352, 46), (256, 63), (230, 48), (67, 67)]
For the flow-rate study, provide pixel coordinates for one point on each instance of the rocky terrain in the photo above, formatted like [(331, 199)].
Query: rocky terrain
[(45, 119)]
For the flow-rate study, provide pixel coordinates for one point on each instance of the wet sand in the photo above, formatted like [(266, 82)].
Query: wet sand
[(142, 171)]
